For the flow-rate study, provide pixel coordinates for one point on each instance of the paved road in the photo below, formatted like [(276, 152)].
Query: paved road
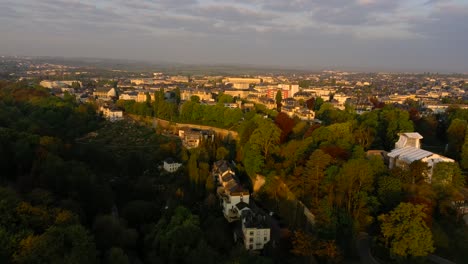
[(363, 247), (439, 260)]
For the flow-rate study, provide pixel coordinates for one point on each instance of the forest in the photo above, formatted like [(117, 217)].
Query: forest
[(326, 167), (76, 188)]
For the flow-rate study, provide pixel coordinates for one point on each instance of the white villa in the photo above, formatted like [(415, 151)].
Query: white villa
[(408, 149), (255, 231), (232, 196)]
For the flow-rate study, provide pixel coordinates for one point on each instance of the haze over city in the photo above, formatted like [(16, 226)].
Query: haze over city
[(371, 35)]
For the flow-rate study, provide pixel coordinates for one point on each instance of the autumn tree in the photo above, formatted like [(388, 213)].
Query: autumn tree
[(315, 171), (307, 245), (285, 123), (405, 233), (302, 244), (68, 244)]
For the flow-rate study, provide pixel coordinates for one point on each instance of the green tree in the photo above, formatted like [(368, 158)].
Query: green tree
[(195, 99), (266, 137), (225, 98), (111, 232), (116, 256), (221, 153), (456, 134), (393, 121), (177, 95), (6, 245), (418, 172), (405, 233), (279, 99), (253, 160), (447, 173), (353, 187), (68, 244), (315, 172), (389, 191), (464, 154), (175, 238)]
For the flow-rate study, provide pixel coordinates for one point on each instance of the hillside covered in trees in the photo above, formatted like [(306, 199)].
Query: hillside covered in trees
[(326, 167), (77, 189)]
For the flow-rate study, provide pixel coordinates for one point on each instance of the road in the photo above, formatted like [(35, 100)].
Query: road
[(363, 247)]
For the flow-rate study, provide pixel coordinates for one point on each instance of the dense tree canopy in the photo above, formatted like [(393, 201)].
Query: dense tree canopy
[(405, 231)]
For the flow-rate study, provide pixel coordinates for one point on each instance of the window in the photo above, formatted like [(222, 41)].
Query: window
[(250, 246), (251, 233), (251, 239), (265, 239)]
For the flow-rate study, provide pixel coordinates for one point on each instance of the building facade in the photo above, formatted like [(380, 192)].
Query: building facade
[(408, 149)]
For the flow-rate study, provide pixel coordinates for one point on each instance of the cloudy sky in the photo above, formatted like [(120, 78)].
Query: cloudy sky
[(416, 35)]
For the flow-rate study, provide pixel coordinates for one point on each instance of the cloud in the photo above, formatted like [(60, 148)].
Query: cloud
[(447, 22), (289, 31)]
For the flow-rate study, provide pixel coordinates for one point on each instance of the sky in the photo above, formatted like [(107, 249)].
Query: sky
[(371, 35)]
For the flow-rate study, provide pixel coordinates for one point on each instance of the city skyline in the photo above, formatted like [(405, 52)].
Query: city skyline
[(362, 34)]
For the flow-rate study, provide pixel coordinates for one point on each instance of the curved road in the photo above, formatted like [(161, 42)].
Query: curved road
[(363, 247)]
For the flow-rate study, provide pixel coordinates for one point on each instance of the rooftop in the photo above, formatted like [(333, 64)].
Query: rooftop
[(409, 154), (412, 135)]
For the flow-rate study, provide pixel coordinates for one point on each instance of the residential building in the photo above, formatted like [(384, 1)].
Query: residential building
[(233, 198), (171, 166), (58, 84), (111, 114), (240, 85), (408, 149), (129, 96), (180, 78), (255, 229), (105, 93), (205, 95), (292, 88), (231, 105), (142, 81), (191, 138), (242, 80), (239, 93), (142, 96)]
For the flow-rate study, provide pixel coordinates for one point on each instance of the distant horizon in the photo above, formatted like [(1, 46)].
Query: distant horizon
[(298, 68), (362, 35)]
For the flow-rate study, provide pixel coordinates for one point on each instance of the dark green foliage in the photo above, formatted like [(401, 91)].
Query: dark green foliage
[(215, 115), (176, 239), (70, 244)]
